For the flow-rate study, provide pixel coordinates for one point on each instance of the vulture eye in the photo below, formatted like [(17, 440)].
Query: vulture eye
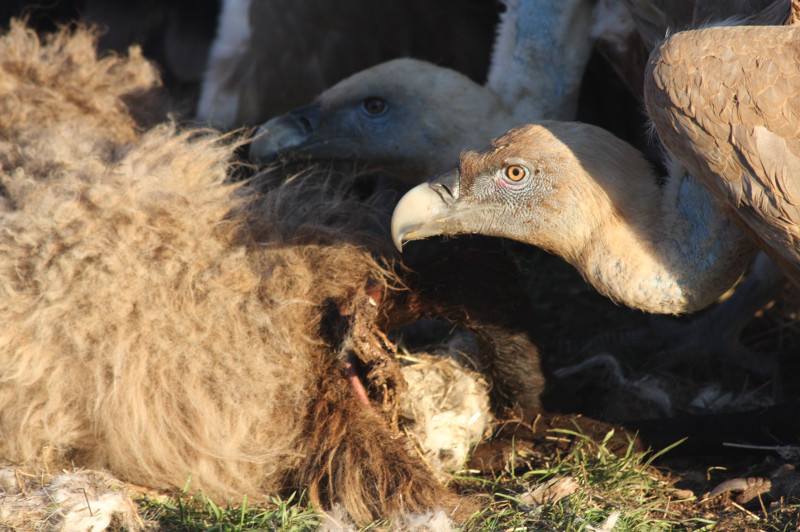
[(375, 106), (515, 172)]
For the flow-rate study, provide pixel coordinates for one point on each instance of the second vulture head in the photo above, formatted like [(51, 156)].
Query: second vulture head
[(405, 117)]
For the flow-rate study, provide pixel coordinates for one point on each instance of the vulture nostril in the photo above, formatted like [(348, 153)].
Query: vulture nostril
[(444, 191)]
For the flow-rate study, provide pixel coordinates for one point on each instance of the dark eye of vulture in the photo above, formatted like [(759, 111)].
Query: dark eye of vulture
[(375, 106)]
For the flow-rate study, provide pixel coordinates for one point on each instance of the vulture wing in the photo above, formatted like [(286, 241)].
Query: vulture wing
[(726, 102)]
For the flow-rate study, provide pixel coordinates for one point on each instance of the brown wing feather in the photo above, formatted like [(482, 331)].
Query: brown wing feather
[(726, 102)]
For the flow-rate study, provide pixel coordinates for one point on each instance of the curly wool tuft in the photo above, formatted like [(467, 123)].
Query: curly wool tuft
[(160, 321)]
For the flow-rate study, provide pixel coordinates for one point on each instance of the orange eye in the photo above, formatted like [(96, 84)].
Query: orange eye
[(515, 172)]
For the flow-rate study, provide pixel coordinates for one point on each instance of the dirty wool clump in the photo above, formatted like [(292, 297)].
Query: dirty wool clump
[(164, 324), (70, 501), (446, 409)]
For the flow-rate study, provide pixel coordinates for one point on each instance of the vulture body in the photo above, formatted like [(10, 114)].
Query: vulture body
[(412, 119), (739, 132), (729, 113)]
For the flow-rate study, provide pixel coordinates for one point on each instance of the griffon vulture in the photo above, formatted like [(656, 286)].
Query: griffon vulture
[(412, 119), (728, 112)]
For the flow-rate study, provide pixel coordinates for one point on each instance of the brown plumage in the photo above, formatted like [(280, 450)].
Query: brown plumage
[(731, 114)]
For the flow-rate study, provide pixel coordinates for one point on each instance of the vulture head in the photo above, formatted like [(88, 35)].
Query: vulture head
[(578, 191), (407, 117), (534, 184)]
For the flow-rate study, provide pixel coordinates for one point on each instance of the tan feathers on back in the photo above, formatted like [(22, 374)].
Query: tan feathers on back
[(731, 113)]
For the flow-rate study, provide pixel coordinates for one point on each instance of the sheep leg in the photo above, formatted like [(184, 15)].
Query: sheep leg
[(365, 354), (355, 382)]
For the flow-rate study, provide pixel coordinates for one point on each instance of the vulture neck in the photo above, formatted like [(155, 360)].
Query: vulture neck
[(662, 249), (539, 57)]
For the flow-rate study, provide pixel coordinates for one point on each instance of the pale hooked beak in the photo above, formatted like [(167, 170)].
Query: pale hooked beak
[(427, 210)]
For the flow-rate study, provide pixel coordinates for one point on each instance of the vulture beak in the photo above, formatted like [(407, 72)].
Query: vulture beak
[(428, 209), (284, 133)]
